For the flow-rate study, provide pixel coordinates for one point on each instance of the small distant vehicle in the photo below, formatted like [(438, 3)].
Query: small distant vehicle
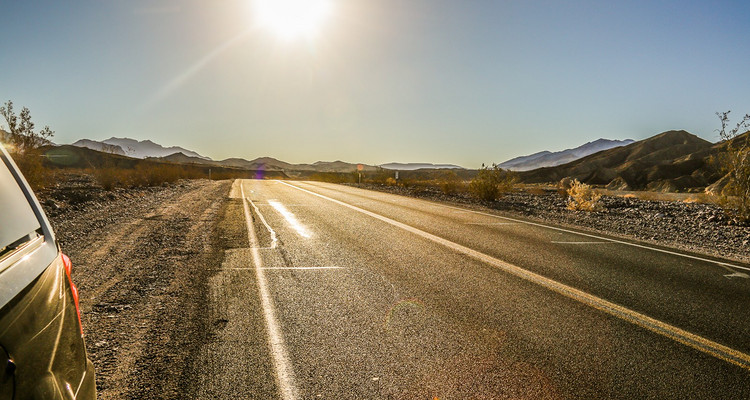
[(42, 350)]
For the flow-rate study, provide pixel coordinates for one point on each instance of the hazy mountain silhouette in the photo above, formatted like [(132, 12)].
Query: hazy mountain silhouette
[(415, 166), (134, 148), (551, 159)]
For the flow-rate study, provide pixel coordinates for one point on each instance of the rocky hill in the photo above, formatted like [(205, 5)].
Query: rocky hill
[(673, 160)]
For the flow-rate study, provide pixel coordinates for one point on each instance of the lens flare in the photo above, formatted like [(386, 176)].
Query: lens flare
[(405, 305)]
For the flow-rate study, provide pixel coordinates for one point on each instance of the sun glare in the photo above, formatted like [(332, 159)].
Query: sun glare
[(292, 19)]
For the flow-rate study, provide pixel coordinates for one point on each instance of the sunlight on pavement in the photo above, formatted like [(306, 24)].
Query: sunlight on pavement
[(290, 218)]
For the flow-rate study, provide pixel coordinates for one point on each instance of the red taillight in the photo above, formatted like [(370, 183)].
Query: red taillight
[(68, 270)]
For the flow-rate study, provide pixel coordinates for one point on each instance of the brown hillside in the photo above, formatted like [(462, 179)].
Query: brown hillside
[(673, 160)]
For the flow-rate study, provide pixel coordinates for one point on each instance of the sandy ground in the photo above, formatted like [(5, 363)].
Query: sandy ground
[(141, 260)]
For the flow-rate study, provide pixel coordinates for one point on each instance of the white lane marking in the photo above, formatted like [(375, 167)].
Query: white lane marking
[(281, 363), (579, 242), (662, 328), (304, 268), (268, 227), (599, 237), (492, 223), (458, 210), (290, 218), (737, 275), (271, 268)]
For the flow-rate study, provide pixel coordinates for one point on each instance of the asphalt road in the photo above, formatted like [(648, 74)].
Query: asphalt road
[(343, 293)]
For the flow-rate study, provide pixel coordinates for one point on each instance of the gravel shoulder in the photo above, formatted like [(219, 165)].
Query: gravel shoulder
[(141, 260), (144, 259), (693, 227)]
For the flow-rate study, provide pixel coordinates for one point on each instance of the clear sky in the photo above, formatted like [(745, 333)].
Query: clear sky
[(462, 81)]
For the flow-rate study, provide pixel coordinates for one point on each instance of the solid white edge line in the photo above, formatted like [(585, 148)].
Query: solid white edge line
[(556, 242), (674, 253), (662, 328), (282, 268), (281, 362)]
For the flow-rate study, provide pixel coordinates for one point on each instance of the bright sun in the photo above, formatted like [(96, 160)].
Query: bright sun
[(292, 19)]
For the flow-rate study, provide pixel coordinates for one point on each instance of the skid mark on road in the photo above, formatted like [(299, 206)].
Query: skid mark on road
[(662, 328), (282, 364), (274, 240)]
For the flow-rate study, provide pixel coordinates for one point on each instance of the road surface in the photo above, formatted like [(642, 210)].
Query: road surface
[(343, 293)]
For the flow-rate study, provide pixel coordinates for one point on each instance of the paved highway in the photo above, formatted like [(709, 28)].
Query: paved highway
[(343, 293)]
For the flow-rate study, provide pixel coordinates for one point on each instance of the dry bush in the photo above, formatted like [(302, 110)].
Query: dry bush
[(735, 198), (333, 177), (492, 182), (450, 183), (144, 175), (649, 196), (583, 197), (390, 181), (381, 176), (536, 191), (700, 198), (31, 164), (22, 141), (108, 178)]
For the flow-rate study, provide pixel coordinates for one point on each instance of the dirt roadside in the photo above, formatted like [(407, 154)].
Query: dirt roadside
[(141, 260)]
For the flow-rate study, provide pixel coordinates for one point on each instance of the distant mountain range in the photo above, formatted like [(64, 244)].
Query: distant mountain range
[(270, 164), (669, 161), (551, 159), (148, 149), (134, 148), (415, 166)]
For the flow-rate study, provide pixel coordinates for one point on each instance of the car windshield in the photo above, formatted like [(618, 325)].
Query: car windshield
[(18, 219)]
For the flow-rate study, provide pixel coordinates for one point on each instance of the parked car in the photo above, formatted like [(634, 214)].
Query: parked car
[(42, 351)]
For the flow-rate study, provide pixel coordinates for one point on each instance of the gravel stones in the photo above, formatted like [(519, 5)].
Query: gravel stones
[(701, 228)]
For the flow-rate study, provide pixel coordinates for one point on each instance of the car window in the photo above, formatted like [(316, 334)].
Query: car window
[(17, 218)]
